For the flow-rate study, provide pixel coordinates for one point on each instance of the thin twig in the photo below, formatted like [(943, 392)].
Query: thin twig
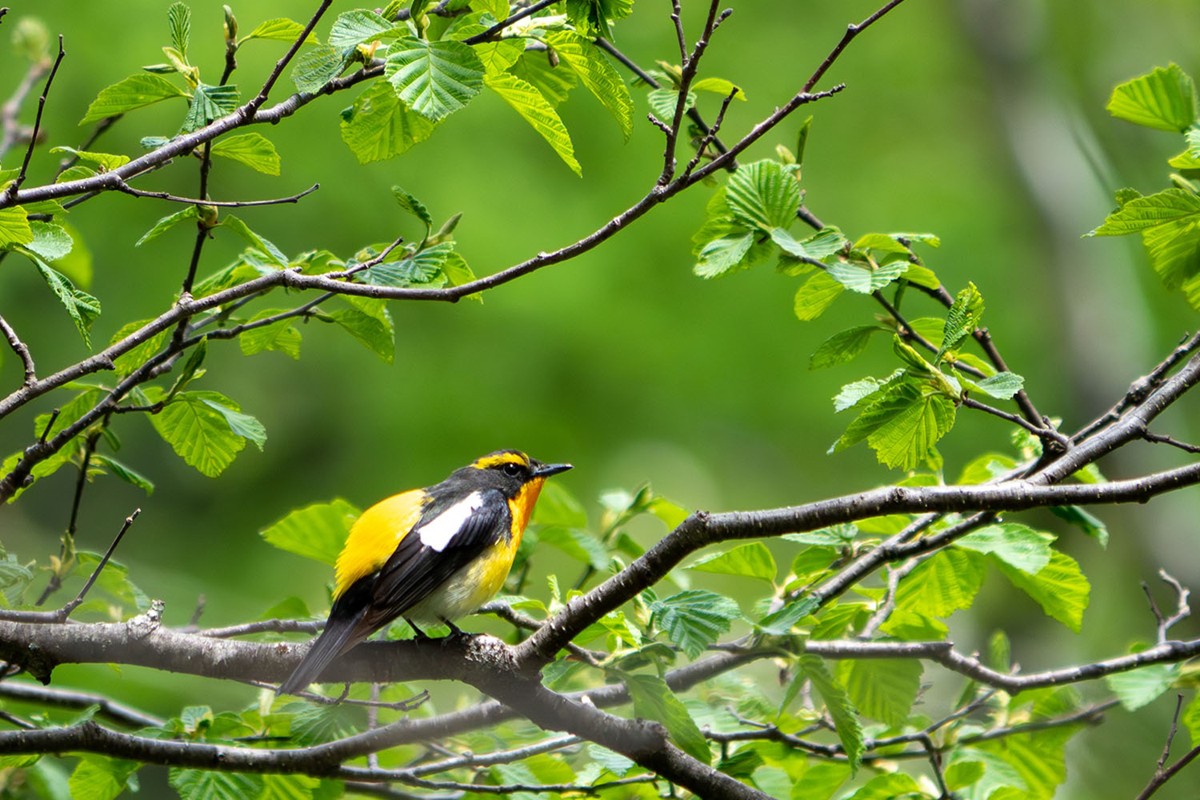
[(125, 188), (528, 11), (22, 351), (11, 190), (10, 126)]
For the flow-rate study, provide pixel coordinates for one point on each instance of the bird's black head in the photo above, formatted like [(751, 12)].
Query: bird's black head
[(510, 471)]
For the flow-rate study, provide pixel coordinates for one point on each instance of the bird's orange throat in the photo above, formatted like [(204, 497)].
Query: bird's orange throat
[(522, 505)]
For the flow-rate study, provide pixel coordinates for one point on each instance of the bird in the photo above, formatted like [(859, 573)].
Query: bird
[(432, 554)]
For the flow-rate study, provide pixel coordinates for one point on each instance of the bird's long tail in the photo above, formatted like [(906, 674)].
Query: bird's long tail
[(340, 634)]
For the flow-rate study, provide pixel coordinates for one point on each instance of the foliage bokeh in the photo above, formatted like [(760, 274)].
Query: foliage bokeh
[(980, 121)]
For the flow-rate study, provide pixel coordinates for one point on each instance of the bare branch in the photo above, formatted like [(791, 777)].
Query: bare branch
[(11, 190), (125, 188), (22, 351)]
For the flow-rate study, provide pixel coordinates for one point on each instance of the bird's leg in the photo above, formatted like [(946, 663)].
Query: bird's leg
[(418, 634), (455, 631)]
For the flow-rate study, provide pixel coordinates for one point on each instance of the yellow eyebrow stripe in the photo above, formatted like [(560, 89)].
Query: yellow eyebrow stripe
[(497, 459), (374, 537)]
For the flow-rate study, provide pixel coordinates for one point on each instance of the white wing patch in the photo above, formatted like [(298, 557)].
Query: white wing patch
[(438, 532)]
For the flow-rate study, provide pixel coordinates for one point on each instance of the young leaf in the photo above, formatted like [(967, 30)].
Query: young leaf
[(763, 195), (241, 424), (206, 784), (537, 111), (816, 295), (942, 584), (591, 17), (435, 79), (864, 279), (1164, 99), (130, 476), (352, 28), (81, 307), (820, 245), (1017, 545), (722, 256), (279, 29), (653, 699), (1149, 211), (264, 247), (412, 205), (317, 67), (280, 336), (317, 531), (1143, 686), (252, 149), (695, 618), (104, 161), (752, 560), (1060, 588), (379, 126), (837, 703), (98, 777), (371, 325), (50, 241), (591, 65), (902, 425), (962, 319), (14, 227), (209, 103), (166, 223), (720, 86), (842, 347), (781, 622), (136, 91), (663, 103), (179, 18), (197, 428), (1002, 385), (884, 689)]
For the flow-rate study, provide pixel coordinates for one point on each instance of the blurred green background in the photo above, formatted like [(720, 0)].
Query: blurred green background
[(981, 121)]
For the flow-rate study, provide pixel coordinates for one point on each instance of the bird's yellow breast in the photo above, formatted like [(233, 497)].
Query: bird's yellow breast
[(472, 586), (374, 537)]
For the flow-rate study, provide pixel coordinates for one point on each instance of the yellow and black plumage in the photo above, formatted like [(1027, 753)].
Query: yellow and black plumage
[(430, 554)]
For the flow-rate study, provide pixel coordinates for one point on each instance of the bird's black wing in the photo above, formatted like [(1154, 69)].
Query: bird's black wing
[(416, 569)]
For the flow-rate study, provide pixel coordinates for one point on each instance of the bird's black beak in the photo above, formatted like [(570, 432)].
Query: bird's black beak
[(546, 470)]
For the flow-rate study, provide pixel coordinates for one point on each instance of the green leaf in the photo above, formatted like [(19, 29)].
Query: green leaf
[(104, 161), (1017, 545), (653, 699), (842, 347), (123, 472), (166, 223), (1191, 719), (864, 279), (288, 787), (884, 689), (81, 307), (577, 543), (763, 195), (663, 103), (97, 777), (888, 786), (527, 101), (962, 319), (752, 560), (1140, 687), (1164, 99), (695, 618), (722, 256), (1087, 522), (280, 336), (837, 703), (435, 79), (50, 241), (370, 324), (205, 784), (719, 86), (317, 67), (352, 28), (591, 17), (251, 149), (380, 127), (855, 392), (595, 72), (317, 531), (131, 360), (197, 426), (816, 295), (179, 18), (134, 92), (243, 425), (902, 425), (14, 227), (781, 622), (1144, 212), (1002, 385), (412, 205), (1060, 588), (279, 29), (209, 103), (260, 245), (820, 245), (1038, 759), (941, 584)]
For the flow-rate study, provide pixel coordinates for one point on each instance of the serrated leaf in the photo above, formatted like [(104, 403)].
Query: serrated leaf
[(1060, 588), (962, 319), (751, 560), (317, 531), (663, 102), (820, 245), (412, 205), (902, 425), (198, 431), (289, 787), (104, 161), (763, 195), (884, 689), (942, 584), (130, 476), (1140, 687), (279, 29), (166, 223), (260, 245), (179, 19), (373, 329), (204, 784), (280, 336), (50, 241), (842, 347), (591, 17), (1017, 545), (720, 86), (855, 392), (241, 424), (527, 101), (1164, 99), (653, 699), (14, 227), (317, 67), (251, 149), (435, 79), (380, 127), (816, 295), (595, 72), (352, 28), (722, 256), (209, 103), (81, 307), (422, 268), (1002, 385), (1149, 211), (837, 703), (98, 777), (134, 92), (695, 618), (554, 82), (781, 621), (862, 278), (1038, 760), (888, 786), (1087, 522)]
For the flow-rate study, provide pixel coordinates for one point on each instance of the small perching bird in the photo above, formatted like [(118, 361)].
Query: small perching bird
[(431, 554)]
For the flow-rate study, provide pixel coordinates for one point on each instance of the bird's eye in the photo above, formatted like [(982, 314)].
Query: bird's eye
[(512, 469)]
